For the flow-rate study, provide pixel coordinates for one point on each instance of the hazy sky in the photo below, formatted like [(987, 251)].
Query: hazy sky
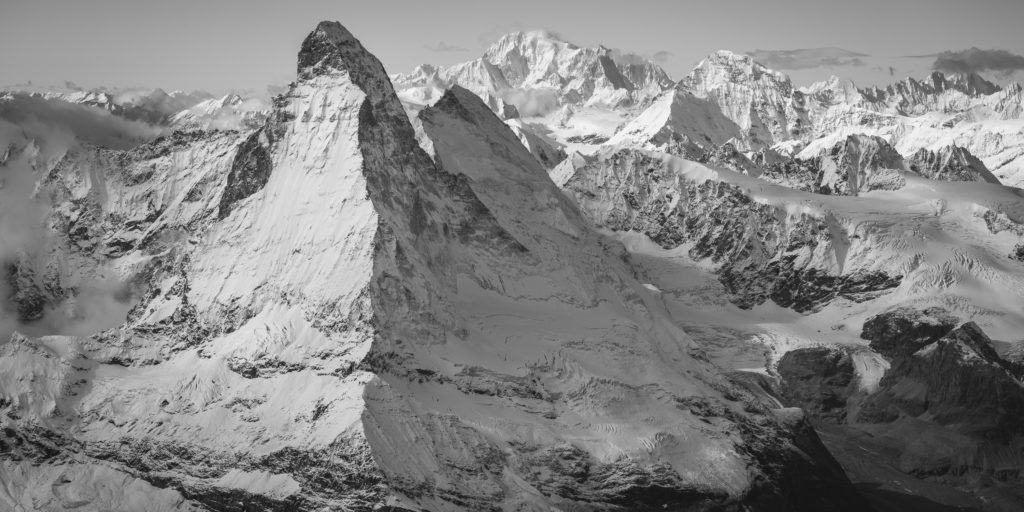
[(224, 44)]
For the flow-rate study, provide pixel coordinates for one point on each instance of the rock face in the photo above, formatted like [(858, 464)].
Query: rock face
[(760, 101), (958, 382), (250, 172), (912, 97), (331, 319), (546, 151), (901, 331), (819, 379), (951, 163), (859, 164), (762, 253), (946, 407)]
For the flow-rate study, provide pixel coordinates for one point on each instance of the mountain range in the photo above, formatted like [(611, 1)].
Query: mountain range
[(550, 278)]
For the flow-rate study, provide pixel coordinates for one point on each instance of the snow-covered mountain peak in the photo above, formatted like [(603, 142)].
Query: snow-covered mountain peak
[(527, 43), (756, 98), (969, 83), (537, 71), (737, 68)]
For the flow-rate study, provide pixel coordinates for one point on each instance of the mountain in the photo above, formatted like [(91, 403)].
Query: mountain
[(678, 116), (951, 163), (327, 317), (756, 98), (231, 111), (546, 279), (536, 71), (139, 104), (770, 279), (570, 96), (962, 110)]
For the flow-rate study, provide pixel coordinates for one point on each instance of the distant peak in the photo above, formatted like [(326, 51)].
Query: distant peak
[(731, 58), (730, 55), (733, 66), (532, 35), (527, 42)]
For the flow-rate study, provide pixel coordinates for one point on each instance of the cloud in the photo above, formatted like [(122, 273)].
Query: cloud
[(807, 58), (975, 60), (532, 102), (443, 47), (41, 292), (661, 57), (625, 57)]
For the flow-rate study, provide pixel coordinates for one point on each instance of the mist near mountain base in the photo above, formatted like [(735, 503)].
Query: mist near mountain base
[(87, 302), (532, 102)]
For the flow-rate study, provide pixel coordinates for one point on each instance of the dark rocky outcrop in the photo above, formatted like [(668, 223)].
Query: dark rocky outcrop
[(25, 294), (947, 409), (959, 382), (756, 245), (901, 331), (818, 379), (249, 172)]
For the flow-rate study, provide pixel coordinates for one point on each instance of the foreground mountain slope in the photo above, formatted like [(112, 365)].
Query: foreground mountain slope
[(725, 250), (331, 319)]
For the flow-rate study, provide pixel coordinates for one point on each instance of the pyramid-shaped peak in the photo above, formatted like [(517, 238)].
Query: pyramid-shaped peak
[(331, 45)]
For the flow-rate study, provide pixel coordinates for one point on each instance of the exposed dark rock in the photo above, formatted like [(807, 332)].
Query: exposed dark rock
[(755, 245), (901, 331), (948, 407), (1018, 252), (818, 379), (789, 172), (26, 294), (802, 479), (859, 164), (959, 382), (249, 172)]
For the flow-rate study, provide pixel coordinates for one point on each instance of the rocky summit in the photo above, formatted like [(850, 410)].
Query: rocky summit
[(550, 278)]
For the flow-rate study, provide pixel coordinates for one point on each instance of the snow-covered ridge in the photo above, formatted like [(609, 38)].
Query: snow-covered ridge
[(537, 72), (331, 318), (355, 299)]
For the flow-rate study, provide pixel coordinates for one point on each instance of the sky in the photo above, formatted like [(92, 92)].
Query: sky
[(220, 45)]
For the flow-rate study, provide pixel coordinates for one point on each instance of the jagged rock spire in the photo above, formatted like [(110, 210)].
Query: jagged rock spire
[(331, 46)]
